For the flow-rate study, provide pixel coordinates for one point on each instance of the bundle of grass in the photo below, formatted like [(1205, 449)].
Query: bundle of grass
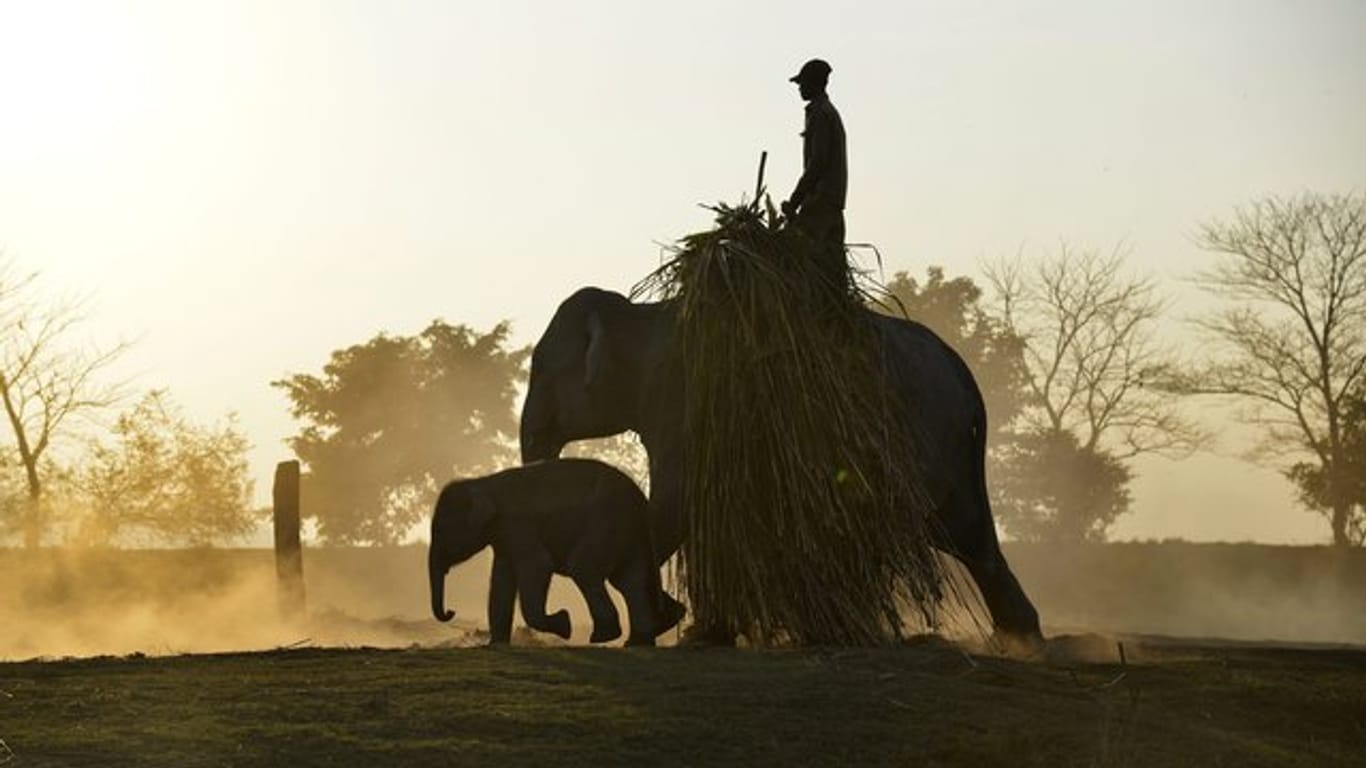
[(807, 523)]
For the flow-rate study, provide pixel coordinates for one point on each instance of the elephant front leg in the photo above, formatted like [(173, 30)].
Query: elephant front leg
[(606, 620), (533, 584), (502, 595)]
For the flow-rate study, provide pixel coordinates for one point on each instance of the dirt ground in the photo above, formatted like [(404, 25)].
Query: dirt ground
[(927, 703)]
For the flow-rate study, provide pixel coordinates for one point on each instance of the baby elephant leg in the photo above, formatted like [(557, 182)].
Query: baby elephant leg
[(652, 611), (533, 583), (606, 621)]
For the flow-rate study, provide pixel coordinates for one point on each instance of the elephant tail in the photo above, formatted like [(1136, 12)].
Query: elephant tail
[(979, 442)]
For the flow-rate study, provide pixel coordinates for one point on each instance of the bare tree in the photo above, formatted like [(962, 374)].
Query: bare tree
[(1091, 351), (1293, 335), (47, 377), (1091, 357)]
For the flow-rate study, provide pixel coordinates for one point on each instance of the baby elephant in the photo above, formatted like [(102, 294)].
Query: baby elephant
[(575, 517)]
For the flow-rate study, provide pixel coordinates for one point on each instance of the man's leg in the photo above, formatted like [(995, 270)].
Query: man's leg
[(834, 250), (825, 227)]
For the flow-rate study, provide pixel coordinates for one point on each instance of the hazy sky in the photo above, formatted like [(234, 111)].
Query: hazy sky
[(246, 186)]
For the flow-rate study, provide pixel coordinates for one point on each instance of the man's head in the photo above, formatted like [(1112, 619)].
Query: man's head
[(812, 78)]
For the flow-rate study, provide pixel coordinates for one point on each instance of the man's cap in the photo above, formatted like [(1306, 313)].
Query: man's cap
[(815, 70)]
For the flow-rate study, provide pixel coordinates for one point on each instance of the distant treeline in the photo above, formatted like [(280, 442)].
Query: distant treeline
[(1068, 345)]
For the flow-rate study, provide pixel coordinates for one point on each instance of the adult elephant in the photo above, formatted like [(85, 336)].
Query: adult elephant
[(606, 365)]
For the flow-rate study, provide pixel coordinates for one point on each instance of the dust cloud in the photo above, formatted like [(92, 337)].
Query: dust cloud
[(57, 603), (1241, 592)]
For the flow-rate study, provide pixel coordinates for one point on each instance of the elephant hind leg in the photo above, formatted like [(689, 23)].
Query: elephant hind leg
[(969, 533), (606, 621), (972, 540), (671, 612), (1015, 620), (638, 583)]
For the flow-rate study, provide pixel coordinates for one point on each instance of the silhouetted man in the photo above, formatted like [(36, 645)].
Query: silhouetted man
[(817, 204)]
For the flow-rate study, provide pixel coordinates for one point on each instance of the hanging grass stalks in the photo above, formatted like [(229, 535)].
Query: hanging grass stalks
[(806, 518)]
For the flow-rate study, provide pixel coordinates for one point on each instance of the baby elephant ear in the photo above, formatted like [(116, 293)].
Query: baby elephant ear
[(482, 511)]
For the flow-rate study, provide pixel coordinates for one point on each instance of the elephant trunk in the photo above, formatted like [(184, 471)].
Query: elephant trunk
[(527, 441), (537, 435), (436, 571)]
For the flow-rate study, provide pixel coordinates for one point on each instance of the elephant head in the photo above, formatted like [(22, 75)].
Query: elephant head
[(585, 374), (461, 526)]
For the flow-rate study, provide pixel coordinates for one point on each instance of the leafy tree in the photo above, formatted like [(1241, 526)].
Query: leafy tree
[(47, 380), (623, 451), (1293, 334), (1312, 480), (16, 507), (952, 308), (390, 420), (165, 479), (1050, 487)]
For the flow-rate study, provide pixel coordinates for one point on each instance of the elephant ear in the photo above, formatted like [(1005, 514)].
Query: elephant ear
[(482, 511), (595, 358)]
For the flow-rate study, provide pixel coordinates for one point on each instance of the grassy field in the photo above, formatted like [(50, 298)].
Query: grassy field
[(924, 704)]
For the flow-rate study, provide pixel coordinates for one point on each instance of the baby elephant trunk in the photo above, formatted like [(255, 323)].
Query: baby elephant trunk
[(436, 571)]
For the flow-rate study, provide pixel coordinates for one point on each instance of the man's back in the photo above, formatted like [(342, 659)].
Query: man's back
[(826, 165)]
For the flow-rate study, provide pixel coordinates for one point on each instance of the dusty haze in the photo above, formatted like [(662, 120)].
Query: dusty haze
[(82, 603)]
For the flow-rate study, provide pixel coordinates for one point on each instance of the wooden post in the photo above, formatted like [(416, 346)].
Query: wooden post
[(289, 562)]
